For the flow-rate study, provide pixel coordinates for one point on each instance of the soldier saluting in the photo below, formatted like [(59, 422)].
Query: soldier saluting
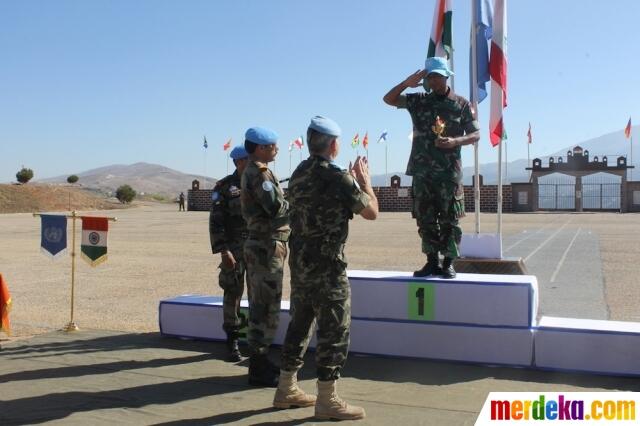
[(228, 232), (267, 215), (442, 123)]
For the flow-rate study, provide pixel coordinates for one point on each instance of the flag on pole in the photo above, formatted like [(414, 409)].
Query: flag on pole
[(365, 141), (383, 137), (440, 42), (498, 71), (356, 141), (627, 130), (529, 133), (53, 235), (5, 306), (291, 146), (482, 24), (299, 142), (94, 239), (206, 145), (227, 145)]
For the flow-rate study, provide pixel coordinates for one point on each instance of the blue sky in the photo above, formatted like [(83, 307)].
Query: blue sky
[(86, 84)]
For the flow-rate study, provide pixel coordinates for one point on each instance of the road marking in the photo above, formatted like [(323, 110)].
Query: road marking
[(526, 259), (562, 259), (530, 235)]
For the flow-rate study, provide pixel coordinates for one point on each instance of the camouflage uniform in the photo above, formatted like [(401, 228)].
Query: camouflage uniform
[(323, 198), (437, 173), (267, 215), (228, 231)]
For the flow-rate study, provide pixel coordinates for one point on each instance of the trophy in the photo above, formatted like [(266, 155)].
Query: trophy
[(439, 127)]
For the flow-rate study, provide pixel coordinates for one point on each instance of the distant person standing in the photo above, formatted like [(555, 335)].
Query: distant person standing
[(323, 197), (228, 233), (442, 123), (267, 215), (181, 202)]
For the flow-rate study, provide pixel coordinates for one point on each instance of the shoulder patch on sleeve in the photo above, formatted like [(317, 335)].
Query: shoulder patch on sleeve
[(267, 186), (215, 196)]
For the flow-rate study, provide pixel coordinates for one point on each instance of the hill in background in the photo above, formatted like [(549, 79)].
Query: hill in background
[(51, 198), (146, 179), (611, 144)]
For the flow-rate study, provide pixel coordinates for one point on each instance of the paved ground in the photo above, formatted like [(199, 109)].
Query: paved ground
[(102, 378)]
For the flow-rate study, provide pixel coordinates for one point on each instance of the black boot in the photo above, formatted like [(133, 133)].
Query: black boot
[(447, 268), (260, 372), (432, 267), (233, 354)]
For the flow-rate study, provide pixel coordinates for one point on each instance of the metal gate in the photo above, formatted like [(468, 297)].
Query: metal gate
[(601, 191), (557, 192)]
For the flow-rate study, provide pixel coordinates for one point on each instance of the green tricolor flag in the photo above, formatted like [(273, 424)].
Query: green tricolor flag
[(440, 41), (94, 239)]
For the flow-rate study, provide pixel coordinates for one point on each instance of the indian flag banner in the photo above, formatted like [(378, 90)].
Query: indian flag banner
[(94, 239)]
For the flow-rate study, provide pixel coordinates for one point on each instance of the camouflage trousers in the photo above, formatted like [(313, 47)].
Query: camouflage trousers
[(232, 282), (437, 206), (265, 263), (320, 294)]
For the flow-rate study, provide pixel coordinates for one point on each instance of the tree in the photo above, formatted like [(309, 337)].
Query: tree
[(24, 175), (72, 179), (125, 194)]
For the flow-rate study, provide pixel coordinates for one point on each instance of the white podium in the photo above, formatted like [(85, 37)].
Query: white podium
[(594, 346)]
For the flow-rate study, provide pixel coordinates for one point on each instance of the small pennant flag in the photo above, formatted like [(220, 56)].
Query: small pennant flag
[(529, 133), (365, 141), (627, 130), (53, 235), (206, 145), (5, 306), (383, 137), (356, 141), (226, 145), (94, 239), (299, 142)]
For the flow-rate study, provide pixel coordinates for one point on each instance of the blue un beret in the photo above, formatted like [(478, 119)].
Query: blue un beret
[(238, 153), (437, 65), (261, 136), (325, 125)]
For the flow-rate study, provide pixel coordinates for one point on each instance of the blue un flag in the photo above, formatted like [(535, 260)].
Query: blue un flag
[(53, 237)]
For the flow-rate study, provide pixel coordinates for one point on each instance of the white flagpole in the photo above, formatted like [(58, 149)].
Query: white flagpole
[(289, 160), (500, 190), (386, 155), (528, 157), (474, 105), (631, 170), (506, 162)]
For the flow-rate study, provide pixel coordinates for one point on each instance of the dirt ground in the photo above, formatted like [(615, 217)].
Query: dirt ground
[(156, 252)]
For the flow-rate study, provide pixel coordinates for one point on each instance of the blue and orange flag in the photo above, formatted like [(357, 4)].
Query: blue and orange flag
[(5, 306)]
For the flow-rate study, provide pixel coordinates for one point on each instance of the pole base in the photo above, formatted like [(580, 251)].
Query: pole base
[(72, 326)]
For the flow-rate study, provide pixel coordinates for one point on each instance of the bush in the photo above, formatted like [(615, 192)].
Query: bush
[(125, 194), (24, 175), (72, 179)]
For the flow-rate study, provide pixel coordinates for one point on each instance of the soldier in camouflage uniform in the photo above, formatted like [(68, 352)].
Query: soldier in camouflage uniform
[(435, 162), (267, 215), (228, 232), (323, 199)]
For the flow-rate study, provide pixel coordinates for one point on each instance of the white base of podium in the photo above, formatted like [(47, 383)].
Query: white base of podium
[(200, 317), (593, 346)]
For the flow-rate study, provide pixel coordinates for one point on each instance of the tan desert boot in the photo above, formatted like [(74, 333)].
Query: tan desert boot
[(330, 406), (289, 395)]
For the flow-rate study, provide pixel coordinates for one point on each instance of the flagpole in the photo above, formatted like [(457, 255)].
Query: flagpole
[(227, 165), (631, 170), (506, 162), (528, 158), (386, 169), (474, 88), (289, 160), (500, 193), (72, 326)]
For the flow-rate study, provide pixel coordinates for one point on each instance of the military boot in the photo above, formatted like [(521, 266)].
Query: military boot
[(330, 406), (432, 267), (447, 268), (289, 394), (260, 372), (233, 351)]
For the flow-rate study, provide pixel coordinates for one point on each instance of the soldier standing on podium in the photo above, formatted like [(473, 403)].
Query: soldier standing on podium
[(228, 232), (323, 197), (442, 123)]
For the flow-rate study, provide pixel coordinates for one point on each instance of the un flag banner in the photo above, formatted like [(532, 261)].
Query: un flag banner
[(53, 237)]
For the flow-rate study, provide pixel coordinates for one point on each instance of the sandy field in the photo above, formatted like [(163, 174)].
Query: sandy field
[(156, 252)]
